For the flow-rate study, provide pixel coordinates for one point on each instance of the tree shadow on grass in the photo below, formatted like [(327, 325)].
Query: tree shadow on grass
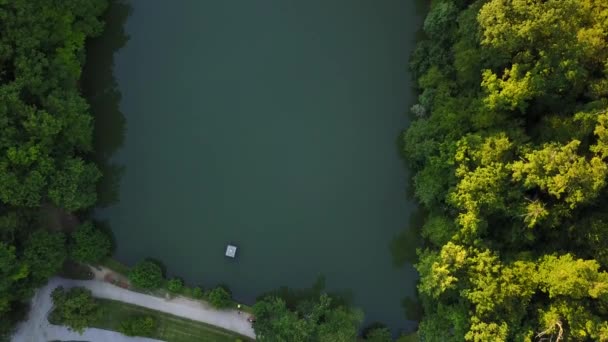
[(101, 90)]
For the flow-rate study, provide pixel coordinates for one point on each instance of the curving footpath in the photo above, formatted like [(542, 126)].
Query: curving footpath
[(37, 328)]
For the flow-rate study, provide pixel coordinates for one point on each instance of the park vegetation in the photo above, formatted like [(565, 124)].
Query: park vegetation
[(219, 297), (314, 318), (76, 308), (175, 285), (132, 320), (509, 149), (138, 326), (45, 144), (89, 244), (146, 275), (314, 314)]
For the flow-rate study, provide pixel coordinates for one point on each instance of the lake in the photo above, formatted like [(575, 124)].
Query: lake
[(273, 125)]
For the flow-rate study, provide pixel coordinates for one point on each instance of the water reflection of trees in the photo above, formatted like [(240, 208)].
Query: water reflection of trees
[(101, 90), (295, 296), (403, 245), (403, 250)]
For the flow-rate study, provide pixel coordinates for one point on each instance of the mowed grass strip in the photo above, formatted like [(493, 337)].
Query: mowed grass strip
[(170, 328)]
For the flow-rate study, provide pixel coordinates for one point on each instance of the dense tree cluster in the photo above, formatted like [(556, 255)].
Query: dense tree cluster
[(509, 148), (314, 319), (146, 275), (45, 137), (89, 244), (76, 308)]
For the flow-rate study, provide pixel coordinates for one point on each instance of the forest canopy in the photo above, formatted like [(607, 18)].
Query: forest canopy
[(509, 150), (45, 140)]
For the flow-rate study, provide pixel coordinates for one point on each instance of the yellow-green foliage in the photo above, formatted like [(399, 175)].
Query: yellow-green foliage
[(510, 160)]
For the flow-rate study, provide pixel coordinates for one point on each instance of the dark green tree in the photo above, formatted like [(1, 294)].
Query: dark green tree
[(46, 136), (379, 335), (89, 244), (146, 275), (175, 285), (44, 254), (73, 186), (219, 297), (313, 320), (75, 308), (11, 273), (340, 325), (274, 322)]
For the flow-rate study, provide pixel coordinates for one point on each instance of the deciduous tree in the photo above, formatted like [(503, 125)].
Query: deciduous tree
[(219, 297), (44, 254), (146, 275), (74, 308), (89, 244)]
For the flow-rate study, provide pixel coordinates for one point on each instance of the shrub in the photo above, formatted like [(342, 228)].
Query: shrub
[(146, 275), (175, 285), (138, 326), (219, 297), (197, 292)]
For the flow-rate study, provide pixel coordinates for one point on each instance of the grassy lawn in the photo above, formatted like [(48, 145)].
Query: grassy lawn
[(170, 328)]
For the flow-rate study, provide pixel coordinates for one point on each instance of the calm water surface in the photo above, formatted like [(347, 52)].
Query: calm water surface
[(269, 124)]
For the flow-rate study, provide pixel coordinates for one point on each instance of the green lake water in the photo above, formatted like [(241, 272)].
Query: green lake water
[(269, 124)]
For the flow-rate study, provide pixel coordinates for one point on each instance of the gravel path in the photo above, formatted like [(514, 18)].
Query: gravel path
[(37, 328)]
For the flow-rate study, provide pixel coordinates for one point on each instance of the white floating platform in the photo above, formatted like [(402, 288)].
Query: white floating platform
[(230, 251)]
